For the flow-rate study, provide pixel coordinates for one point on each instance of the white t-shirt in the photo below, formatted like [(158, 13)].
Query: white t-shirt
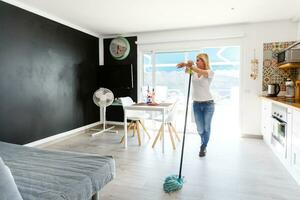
[(201, 87)]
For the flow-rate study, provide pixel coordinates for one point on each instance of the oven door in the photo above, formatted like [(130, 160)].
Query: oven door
[(279, 138)]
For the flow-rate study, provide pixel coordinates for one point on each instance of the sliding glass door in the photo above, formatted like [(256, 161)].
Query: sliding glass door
[(170, 83), (160, 72)]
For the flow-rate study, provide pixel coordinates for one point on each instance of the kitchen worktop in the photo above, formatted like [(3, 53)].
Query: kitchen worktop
[(282, 100)]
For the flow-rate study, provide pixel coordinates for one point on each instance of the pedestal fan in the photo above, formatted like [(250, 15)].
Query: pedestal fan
[(103, 98)]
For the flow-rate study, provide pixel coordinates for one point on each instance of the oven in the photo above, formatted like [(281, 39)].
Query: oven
[(279, 130)]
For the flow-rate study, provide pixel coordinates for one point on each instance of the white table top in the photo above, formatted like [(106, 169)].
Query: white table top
[(153, 107)]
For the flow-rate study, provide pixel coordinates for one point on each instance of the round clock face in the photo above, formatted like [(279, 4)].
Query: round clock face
[(119, 48)]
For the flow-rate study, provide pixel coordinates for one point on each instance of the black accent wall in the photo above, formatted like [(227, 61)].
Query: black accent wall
[(115, 113), (48, 73)]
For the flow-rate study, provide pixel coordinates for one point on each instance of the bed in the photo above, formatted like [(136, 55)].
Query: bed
[(56, 175)]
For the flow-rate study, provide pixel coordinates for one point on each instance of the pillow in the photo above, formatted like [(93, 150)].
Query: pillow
[(8, 187)]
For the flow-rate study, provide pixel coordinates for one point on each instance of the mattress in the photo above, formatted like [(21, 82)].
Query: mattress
[(56, 175)]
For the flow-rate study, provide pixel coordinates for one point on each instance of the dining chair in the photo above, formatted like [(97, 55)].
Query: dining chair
[(169, 123), (136, 118)]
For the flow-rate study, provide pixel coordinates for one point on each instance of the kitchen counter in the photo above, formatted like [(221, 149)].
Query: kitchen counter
[(288, 102)]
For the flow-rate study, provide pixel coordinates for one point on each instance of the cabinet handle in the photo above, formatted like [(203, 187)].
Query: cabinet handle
[(295, 158)]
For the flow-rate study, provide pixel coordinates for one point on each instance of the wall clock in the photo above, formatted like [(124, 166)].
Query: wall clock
[(119, 48)]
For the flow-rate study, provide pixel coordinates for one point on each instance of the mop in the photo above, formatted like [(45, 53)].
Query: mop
[(173, 183)]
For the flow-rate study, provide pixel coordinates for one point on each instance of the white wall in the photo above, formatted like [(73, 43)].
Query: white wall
[(298, 38), (298, 30), (249, 36)]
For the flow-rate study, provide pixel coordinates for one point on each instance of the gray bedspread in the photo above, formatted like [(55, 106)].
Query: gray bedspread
[(56, 175)]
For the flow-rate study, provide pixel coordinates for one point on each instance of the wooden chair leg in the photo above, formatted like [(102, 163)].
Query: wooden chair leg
[(128, 128), (130, 124), (158, 135), (174, 130), (122, 140), (134, 129), (137, 128), (160, 138), (142, 125), (171, 136)]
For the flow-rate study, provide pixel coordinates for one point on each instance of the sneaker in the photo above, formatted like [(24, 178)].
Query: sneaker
[(202, 152)]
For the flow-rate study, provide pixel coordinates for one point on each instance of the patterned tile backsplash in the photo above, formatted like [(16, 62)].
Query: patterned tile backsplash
[(271, 73)]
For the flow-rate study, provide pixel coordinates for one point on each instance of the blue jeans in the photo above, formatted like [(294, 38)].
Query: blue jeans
[(203, 112)]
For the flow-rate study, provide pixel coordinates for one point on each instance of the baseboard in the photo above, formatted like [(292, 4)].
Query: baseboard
[(252, 136), (61, 135)]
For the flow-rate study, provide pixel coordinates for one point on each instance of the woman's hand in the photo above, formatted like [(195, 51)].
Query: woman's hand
[(188, 66), (181, 65), (190, 63)]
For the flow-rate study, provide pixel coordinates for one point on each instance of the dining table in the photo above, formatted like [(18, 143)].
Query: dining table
[(163, 108)]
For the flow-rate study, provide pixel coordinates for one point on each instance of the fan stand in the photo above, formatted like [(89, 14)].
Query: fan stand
[(104, 129)]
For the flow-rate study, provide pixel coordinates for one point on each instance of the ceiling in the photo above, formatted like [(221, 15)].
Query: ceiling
[(133, 16)]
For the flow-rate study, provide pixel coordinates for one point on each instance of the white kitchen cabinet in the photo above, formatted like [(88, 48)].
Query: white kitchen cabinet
[(292, 160), (289, 135), (295, 147), (266, 123)]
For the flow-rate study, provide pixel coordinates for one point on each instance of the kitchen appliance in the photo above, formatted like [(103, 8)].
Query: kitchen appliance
[(290, 89), (297, 89), (273, 90), (279, 130), (289, 55)]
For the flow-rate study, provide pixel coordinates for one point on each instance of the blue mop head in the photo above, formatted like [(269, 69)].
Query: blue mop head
[(173, 183)]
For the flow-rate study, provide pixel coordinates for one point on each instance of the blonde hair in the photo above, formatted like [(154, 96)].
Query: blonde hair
[(204, 58)]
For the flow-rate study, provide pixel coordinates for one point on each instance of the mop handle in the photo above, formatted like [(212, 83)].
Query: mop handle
[(184, 130)]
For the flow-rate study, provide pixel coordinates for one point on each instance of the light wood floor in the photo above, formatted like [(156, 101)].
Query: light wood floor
[(234, 169)]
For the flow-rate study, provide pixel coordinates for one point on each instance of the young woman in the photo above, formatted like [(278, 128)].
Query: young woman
[(203, 103)]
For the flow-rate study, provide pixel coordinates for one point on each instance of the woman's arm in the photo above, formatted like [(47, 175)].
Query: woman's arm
[(183, 64), (190, 65), (202, 72)]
